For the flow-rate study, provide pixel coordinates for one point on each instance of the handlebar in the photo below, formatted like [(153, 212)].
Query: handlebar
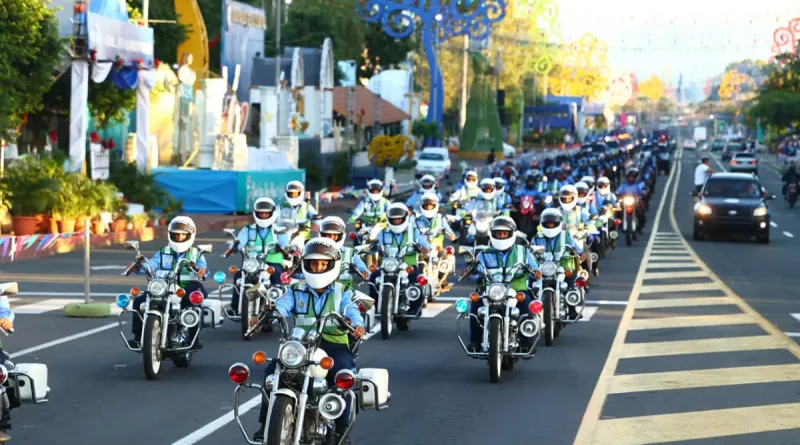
[(10, 331)]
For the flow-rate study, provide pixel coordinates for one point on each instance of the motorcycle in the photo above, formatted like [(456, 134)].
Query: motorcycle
[(527, 216), (256, 270), (395, 293), (302, 408), (581, 236), (499, 319), (608, 230), (23, 382), (361, 236), (438, 265), (296, 231), (166, 327), (477, 223), (791, 194), (629, 223), (563, 302)]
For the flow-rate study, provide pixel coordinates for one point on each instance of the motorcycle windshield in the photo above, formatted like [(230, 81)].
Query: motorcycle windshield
[(484, 209), (162, 273), (286, 219)]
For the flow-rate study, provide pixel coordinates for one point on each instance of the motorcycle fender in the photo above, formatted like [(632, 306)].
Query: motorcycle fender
[(163, 328), (286, 392)]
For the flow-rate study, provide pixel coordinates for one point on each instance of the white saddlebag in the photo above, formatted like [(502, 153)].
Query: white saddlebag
[(380, 377), (38, 373), (212, 312)]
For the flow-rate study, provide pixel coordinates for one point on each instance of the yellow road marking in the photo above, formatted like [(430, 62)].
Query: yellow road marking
[(684, 302), (690, 321), (669, 275), (697, 425), (659, 381), (705, 346), (659, 288), (684, 264), (668, 251)]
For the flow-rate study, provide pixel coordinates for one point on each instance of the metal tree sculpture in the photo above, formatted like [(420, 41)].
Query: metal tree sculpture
[(439, 20), (584, 68), (785, 39), (620, 89)]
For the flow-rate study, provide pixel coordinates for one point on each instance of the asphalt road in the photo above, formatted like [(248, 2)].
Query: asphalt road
[(652, 363)]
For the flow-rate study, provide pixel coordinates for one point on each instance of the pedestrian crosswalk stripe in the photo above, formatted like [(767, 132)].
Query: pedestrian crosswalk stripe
[(666, 235), (699, 378), (671, 275), (704, 346), (659, 288), (683, 302), (697, 425), (588, 312), (676, 265), (434, 309), (43, 306), (690, 321)]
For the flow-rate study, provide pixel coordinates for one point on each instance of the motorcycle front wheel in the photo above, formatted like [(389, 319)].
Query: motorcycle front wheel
[(244, 313), (495, 352), (151, 344), (387, 312), (282, 421), (549, 317)]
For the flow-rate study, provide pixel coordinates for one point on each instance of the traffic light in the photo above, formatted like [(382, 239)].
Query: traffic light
[(721, 125)]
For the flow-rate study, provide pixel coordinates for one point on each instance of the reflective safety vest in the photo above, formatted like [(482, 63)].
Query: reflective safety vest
[(257, 243), (434, 226), (374, 211), (516, 256), (347, 258), (169, 258), (568, 262), (389, 239), (306, 316), (300, 212)]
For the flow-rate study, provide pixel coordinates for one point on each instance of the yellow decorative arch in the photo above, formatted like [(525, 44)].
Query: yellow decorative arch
[(196, 43), (388, 150)]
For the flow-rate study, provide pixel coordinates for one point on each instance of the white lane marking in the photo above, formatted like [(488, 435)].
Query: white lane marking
[(788, 234), (772, 223), (212, 292), (449, 298), (792, 334), (218, 423), (110, 267), (797, 316), (63, 340), (587, 313), (434, 309), (609, 302), (42, 306)]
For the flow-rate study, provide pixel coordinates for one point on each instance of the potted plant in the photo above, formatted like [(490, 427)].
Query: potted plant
[(105, 196), (173, 208), (140, 221), (25, 182), (68, 204), (121, 220), (152, 217)]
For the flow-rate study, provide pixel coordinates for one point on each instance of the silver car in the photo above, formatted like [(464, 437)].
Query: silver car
[(743, 163)]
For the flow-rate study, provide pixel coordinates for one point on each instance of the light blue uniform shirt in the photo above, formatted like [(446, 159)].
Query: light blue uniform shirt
[(5, 309), (286, 304), (488, 260), (155, 263)]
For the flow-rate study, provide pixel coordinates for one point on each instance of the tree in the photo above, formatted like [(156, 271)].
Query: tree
[(381, 50), (778, 108), (652, 88), (29, 53)]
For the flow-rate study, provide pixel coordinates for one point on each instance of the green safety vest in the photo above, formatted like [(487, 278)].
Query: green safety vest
[(306, 316), (410, 258), (567, 261), (170, 258), (374, 210), (435, 225), (347, 257), (256, 243), (302, 211), (517, 255)]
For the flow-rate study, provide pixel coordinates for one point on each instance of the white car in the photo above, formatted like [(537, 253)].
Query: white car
[(509, 151), (434, 161), (690, 144)]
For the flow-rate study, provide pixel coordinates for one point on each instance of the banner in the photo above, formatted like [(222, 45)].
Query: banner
[(243, 29), (269, 183), (12, 246)]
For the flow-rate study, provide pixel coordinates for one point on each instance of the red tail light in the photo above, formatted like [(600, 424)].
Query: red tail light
[(629, 209), (239, 373), (449, 250), (536, 307), (345, 379), (617, 222), (421, 280), (754, 162), (733, 162), (196, 298), (580, 281), (351, 235)]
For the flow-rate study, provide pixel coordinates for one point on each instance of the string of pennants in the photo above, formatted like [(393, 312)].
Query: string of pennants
[(12, 246)]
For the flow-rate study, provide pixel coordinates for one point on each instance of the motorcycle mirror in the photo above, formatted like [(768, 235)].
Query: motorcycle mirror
[(132, 245), (9, 288), (230, 231), (363, 300), (522, 235), (205, 248)]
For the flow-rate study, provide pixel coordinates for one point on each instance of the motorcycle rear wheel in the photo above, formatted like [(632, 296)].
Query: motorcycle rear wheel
[(495, 354), (282, 421), (151, 348)]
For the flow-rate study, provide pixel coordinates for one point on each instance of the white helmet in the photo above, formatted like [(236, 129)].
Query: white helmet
[(375, 189), (499, 185), (550, 221), (568, 196), (502, 224), (427, 200), (583, 192), (264, 212), (321, 249), (487, 188), (294, 193), (397, 211), (181, 225), (427, 184), (471, 179), (603, 186), (335, 226), (589, 180)]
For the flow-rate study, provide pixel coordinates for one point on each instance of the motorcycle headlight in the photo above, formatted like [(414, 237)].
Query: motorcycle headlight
[(760, 211), (157, 288), (292, 354), (496, 292), (250, 266), (549, 268), (628, 201), (390, 265)]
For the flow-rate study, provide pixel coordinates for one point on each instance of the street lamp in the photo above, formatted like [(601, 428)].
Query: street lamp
[(711, 117)]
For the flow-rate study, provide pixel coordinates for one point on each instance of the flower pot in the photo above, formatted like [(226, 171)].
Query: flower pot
[(139, 225), (80, 223), (66, 226), (98, 228), (119, 225), (162, 222), (52, 226), (24, 225), (43, 224)]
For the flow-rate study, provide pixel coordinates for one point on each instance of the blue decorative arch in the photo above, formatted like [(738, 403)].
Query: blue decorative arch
[(439, 21)]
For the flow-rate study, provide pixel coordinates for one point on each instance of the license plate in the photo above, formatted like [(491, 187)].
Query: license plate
[(731, 212)]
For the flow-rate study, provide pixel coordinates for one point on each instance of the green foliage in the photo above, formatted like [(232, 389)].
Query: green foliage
[(33, 185), (382, 50), (341, 168), (138, 187), (425, 130), (29, 52), (481, 130), (780, 108), (108, 103)]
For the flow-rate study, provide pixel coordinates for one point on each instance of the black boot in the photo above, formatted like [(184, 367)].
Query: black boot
[(258, 436)]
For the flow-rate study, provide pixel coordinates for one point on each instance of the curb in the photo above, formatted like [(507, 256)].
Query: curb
[(87, 310)]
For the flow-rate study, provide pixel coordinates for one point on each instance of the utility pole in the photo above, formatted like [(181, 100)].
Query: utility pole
[(464, 76)]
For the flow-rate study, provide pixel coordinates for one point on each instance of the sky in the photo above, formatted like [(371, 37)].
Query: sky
[(697, 38)]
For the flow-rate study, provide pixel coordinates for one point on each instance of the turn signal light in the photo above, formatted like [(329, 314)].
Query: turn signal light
[(196, 298), (232, 269), (617, 222), (135, 291), (372, 268), (270, 270), (568, 273), (352, 236), (286, 278), (520, 296), (180, 292), (438, 248), (409, 269), (259, 357), (326, 363), (536, 307), (239, 373), (449, 250), (474, 296)]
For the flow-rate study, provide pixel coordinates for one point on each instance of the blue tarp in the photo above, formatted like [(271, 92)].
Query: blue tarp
[(202, 191), (113, 9)]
